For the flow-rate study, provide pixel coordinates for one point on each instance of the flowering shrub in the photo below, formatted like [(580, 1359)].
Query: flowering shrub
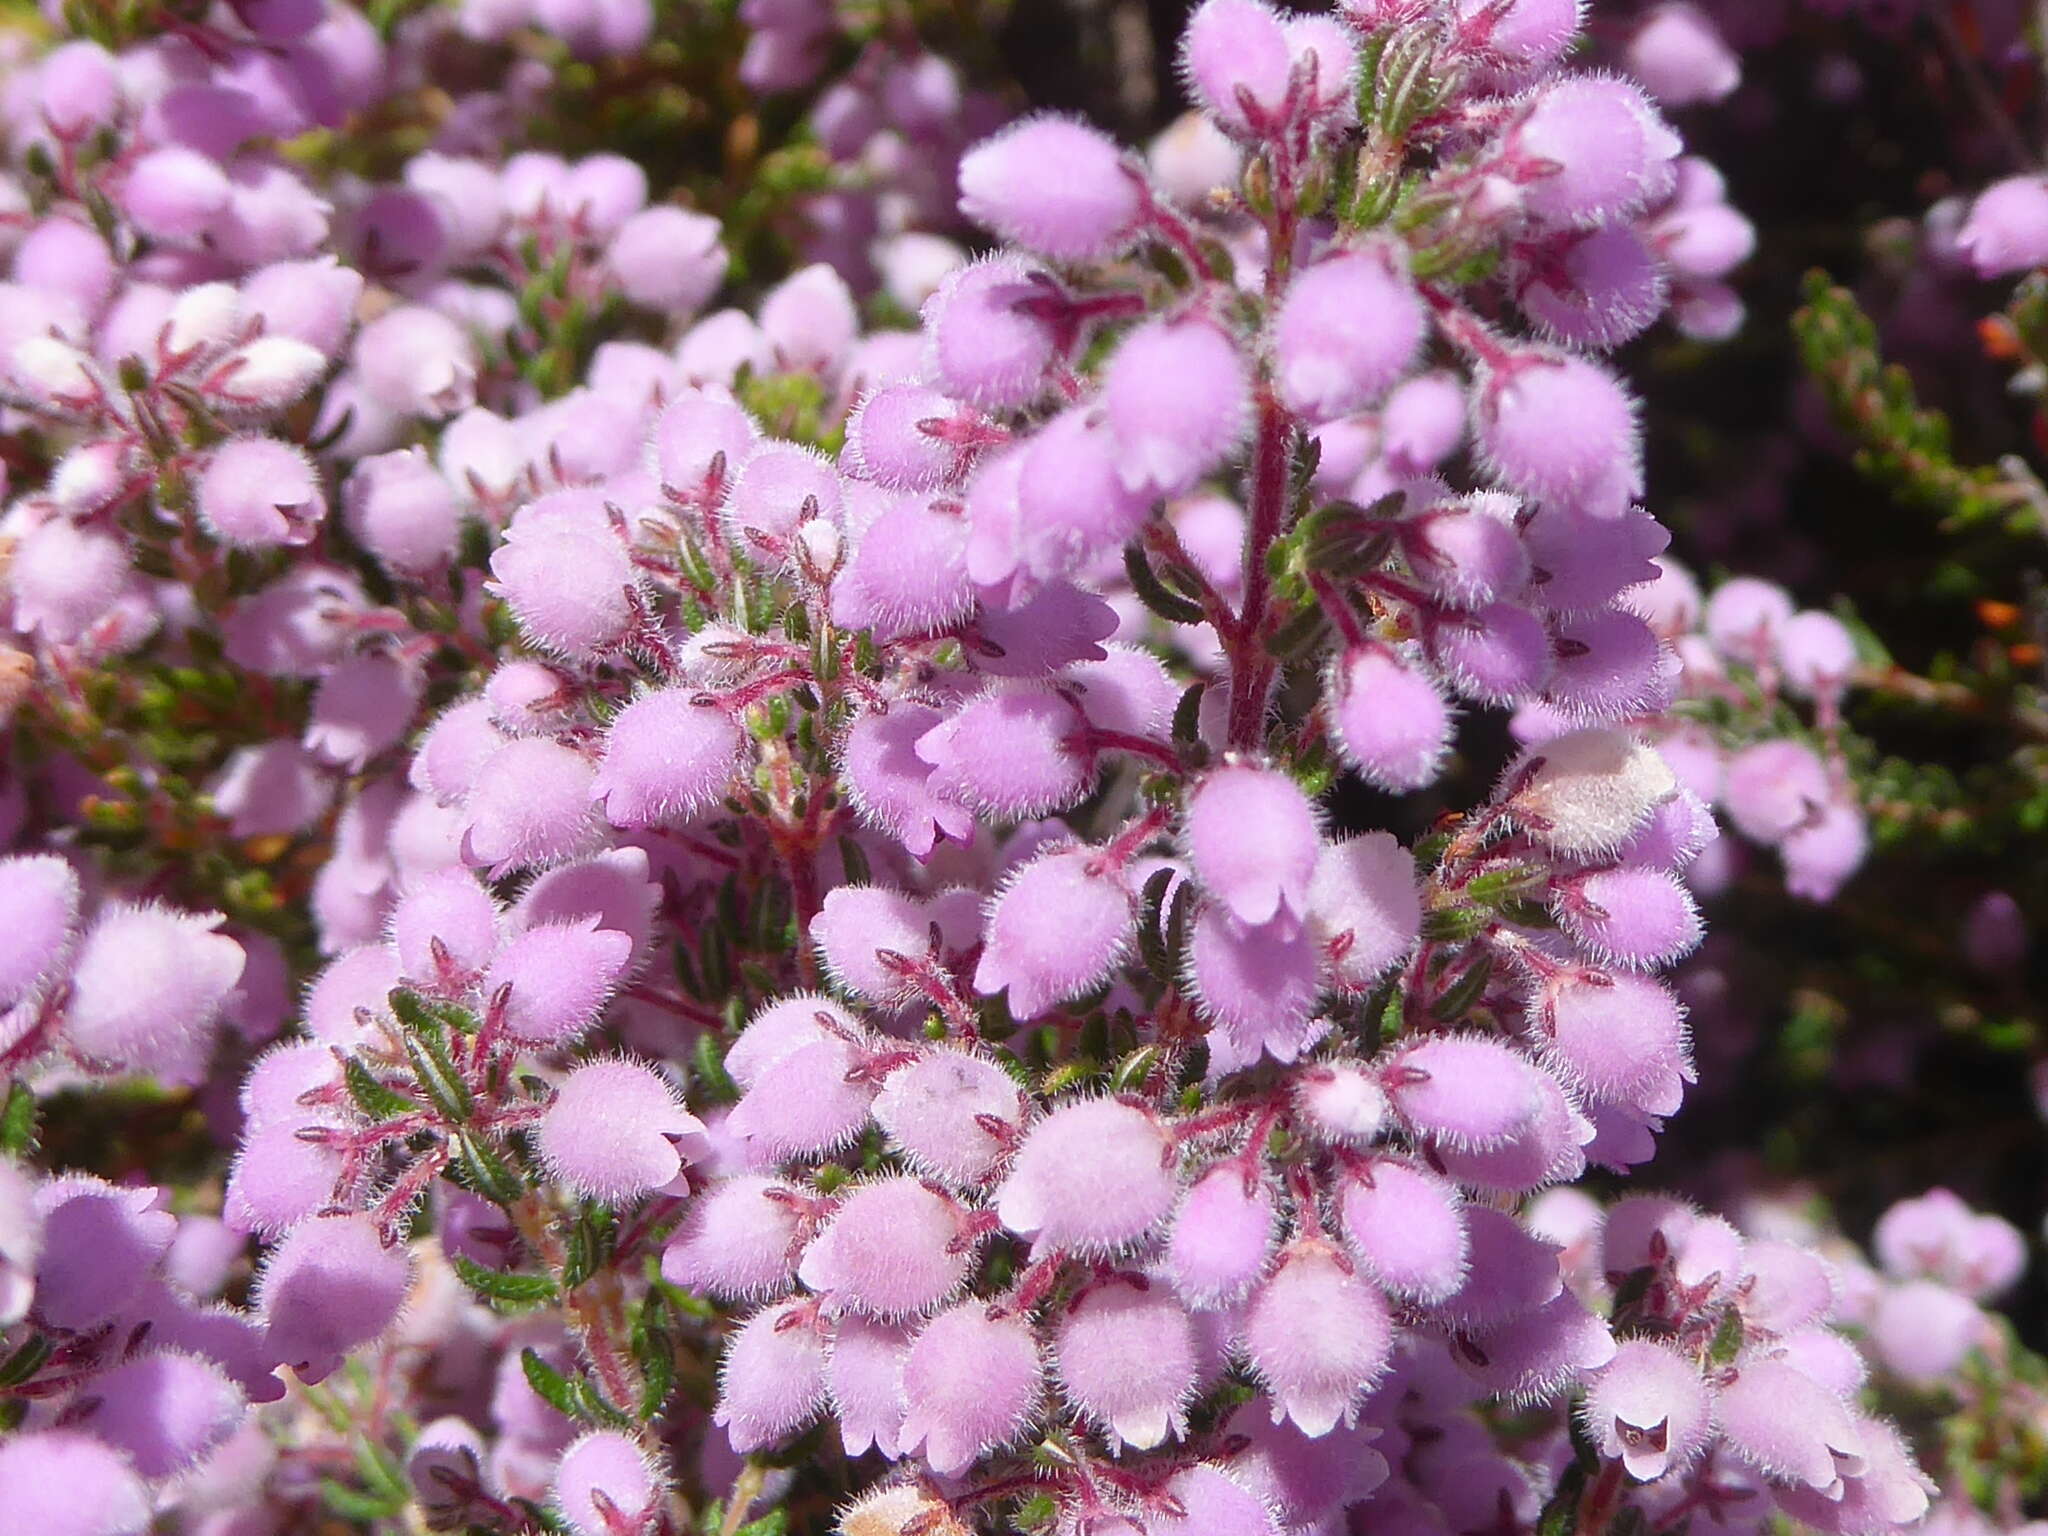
[(963, 829)]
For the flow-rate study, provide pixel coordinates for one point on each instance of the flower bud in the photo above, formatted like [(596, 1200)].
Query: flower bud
[(329, 1287), (604, 1485), (1178, 397), (1774, 788), (61, 1482), (1595, 148), (892, 1250), (894, 439), (1347, 330), (774, 488), (1318, 1336), (272, 790), (264, 376), (78, 86), (1681, 58), (1817, 654), (1389, 721), (1630, 916), (39, 893), (415, 361), (531, 806), (362, 707), (2007, 228), (311, 302), (257, 491), (950, 1115), (1364, 906), (1821, 854), (983, 343), (972, 1382), (666, 757), (1648, 1409), (1128, 1359), (1053, 185), (806, 1101), (616, 1131), (899, 1509), (855, 926), (739, 1241), (402, 511), (1406, 1228), (570, 590), (560, 976), (1055, 1195), (1058, 929), (1341, 1102), (1234, 56), (1253, 841), (1467, 1090), (1586, 792), (810, 321), (1561, 429), (360, 978), (1620, 1038), (65, 577), (1222, 1236), (452, 912), (1071, 500), (668, 259), (175, 194), (147, 989)]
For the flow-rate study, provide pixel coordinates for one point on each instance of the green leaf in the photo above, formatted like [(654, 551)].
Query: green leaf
[(551, 1386), (1134, 1069), (589, 1248), (18, 1121), (25, 1361), (377, 1100), (1458, 998), (1728, 1338), (1152, 592), (1561, 1514), (489, 1175), (709, 1059), (1633, 1288), (1151, 935), (423, 1016), (1301, 633), (654, 1351), (1454, 925), (381, 1470), (439, 1079), (354, 1504), (511, 1290)]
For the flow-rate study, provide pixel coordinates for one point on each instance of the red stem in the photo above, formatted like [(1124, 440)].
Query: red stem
[(1251, 668)]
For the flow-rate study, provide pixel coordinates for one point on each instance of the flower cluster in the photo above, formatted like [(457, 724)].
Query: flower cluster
[(898, 924)]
